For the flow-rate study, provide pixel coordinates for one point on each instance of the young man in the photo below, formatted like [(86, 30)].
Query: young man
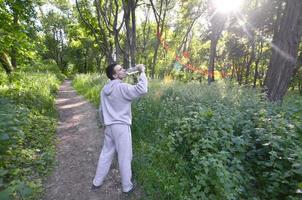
[(116, 98)]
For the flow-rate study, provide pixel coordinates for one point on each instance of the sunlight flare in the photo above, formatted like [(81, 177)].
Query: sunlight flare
[(227, 6), (246, 26)]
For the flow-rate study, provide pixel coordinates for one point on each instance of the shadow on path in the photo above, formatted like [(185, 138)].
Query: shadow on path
[(79, 144)]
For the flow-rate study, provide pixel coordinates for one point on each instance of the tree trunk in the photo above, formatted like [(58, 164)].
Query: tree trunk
[(133, 32), (14, 57), (154, 59), (217, 21), (277, 23), (61, 50), (146, 35), (130, 54), (127, 56), (284, 51), (251, 59), (6, 64), (233, 70), (98, 63), (211, 67), (14, 49), (160, 18), (105, 44), (256, 74), (85, 62), (56, 51)]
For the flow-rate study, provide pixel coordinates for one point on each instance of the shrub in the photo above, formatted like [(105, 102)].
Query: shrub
[(27, 150), (27, 133), (194, 141), (229, 144)]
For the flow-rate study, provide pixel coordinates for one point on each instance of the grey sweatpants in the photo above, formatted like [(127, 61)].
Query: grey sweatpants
[(117, 138)]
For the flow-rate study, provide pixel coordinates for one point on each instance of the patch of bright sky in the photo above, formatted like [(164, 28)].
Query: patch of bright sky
[(145, 9), (142, 11), (49, 7), (45, 8), (228, 6)]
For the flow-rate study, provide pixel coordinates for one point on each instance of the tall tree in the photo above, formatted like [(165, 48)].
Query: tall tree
[(108, 12), (146, 29), (17, 31), (284, 51), (217, 21), (83, 54), (55, 28), (129, 7), (97, 27), (160, 14)]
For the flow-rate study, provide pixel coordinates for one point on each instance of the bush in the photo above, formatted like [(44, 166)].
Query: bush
[(220, 142), (27, 133), (194, 141), (27, 150), (34, 90)]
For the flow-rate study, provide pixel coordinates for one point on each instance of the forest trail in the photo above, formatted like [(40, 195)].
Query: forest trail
[(79, 144)]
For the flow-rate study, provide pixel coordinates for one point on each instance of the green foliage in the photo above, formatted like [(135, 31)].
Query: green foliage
[(297, 79), (27, 149), (27, 132), (17, 29), (54, 26), (45, 66), (4, 79), (35, 90), (229, 144), (90, 86), (194, 141), (292, 109)]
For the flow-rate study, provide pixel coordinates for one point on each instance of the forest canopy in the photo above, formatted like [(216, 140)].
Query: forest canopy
[(255, 43)]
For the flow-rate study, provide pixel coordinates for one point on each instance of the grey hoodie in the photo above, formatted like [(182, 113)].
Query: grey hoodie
[(116, 98)]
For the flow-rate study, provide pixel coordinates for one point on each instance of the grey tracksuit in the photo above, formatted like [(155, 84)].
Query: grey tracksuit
[(116, 98)]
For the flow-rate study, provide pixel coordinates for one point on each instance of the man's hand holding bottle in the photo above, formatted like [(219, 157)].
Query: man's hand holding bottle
[(141, 68), (137, 68)]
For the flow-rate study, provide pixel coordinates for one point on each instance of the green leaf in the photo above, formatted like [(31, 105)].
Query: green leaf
[(5, 136), (24, 190), (3, 172), (6, 194)]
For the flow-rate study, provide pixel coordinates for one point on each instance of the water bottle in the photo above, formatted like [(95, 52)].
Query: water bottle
[(132, 70)]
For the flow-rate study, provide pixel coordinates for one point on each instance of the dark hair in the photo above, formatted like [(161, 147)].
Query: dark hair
[(110, 71)]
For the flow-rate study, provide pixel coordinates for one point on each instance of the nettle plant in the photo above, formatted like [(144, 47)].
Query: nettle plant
[(230, 142)]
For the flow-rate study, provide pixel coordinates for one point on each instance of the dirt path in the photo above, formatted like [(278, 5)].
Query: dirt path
[(79, 144)]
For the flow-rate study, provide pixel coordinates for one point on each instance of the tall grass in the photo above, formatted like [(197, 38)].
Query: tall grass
[(90, 86)]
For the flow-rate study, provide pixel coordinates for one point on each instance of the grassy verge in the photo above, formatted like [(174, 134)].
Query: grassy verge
[(27, 130)]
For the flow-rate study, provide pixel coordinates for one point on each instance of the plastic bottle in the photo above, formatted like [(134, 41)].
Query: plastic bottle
[(132, 70)]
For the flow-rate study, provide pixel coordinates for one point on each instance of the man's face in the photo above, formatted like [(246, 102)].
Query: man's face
[(120, 72)]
